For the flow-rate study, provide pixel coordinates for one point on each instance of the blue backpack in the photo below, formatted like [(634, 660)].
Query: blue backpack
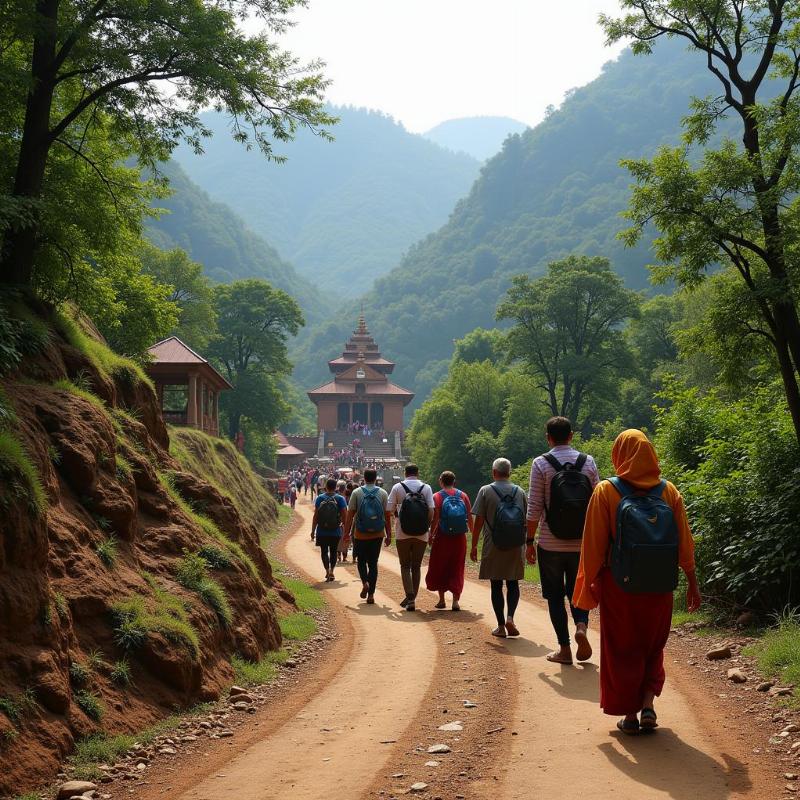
[(644, 553), (453, 514), (370, 518)]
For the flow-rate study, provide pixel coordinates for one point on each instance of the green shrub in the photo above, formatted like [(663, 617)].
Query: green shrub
[(297, 627), (96, 660), (778, 651), (16, 707), (739, 480), (121, 673), (90, 704), (193, 574), (20, 473), (11, 709)]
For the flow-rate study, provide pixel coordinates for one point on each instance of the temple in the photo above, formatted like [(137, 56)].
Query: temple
[(361, 396)]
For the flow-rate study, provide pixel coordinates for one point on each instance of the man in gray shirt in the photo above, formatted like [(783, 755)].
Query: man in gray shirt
[(506, 563)]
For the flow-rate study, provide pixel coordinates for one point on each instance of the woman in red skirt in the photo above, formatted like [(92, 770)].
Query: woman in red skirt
[(633, 626), (452, 519)]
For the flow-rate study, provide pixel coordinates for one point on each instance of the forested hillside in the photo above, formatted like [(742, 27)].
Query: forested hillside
[(554, 190), (342, 212), (214, 235), (481, 137)]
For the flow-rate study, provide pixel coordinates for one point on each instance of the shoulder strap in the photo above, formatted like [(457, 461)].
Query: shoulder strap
[(407, 490), (553, 462), (497, 492), (580, 463), (657, 491), (624, 489)]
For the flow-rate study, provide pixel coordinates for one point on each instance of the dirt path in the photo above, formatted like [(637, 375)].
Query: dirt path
[(536, 729)]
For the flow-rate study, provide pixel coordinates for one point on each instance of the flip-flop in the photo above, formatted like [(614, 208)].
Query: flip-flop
[(500, 632), (512, 629), (649, 720), (554, 658), (584, 651), (629, 727)]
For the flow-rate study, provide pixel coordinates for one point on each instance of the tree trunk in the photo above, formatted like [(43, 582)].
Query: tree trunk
[(790, 387), (19, 244), (234, 421)]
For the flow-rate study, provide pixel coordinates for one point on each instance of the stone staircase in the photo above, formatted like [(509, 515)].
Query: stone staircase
[(373, 447)]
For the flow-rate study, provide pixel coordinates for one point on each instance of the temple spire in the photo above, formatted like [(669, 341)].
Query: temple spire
[(362, 323)]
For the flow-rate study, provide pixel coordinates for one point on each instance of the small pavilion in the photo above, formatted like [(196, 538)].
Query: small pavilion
[(187, 385)]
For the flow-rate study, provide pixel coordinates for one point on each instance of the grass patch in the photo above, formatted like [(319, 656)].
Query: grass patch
[(215, 557), (297, 627), (123, 468), (62, 606), (138, 616), (105, 360), (121, 674), (680, 617), (107, 550), (305, 597), (208, 526), (257, 673), (778, 652), (22, 477), (16, 707), (90, 704), (193, 574), (65, 385), (103, 749), (79, 673), (8, 415)]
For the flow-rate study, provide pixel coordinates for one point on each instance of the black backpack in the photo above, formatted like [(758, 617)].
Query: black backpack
[(414, 512), (570, 492), (644, 553), (510, 528), (328, 513)]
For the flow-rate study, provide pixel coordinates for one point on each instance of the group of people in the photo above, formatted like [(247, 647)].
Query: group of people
[(616, 543), (362, 428)]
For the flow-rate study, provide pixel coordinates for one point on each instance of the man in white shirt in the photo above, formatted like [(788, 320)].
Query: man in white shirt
[(412, 501)]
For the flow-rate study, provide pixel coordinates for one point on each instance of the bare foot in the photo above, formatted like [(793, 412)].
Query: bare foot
[(584, 652), (562, 656)]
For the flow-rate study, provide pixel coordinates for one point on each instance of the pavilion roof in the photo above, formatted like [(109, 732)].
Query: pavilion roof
[(172, 352)]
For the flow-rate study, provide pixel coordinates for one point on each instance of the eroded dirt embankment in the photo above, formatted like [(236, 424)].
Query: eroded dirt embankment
[(126, 584)]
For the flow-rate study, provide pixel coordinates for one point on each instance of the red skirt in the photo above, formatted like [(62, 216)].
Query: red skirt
[(634, 629), (446, 564)]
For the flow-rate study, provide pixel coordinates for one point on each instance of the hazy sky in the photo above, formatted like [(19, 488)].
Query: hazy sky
[(425, 61)]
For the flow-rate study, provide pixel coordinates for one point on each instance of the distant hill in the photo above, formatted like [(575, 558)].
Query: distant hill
[(216, 237), (481, 137), (342, 212), (552, 190)]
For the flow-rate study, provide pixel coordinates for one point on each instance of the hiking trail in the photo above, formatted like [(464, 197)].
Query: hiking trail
[(536, 729)]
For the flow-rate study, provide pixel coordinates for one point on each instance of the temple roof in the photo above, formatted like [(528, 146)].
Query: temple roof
[(361, 343), (334, 388)]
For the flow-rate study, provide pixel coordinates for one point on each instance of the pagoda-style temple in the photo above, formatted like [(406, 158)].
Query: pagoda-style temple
[(360, 391)]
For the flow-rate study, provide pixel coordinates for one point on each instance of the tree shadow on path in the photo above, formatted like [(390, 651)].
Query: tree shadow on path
[(670, 765)]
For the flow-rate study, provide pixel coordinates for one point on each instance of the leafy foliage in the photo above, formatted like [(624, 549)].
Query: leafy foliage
[(193, 574), (567, 332)]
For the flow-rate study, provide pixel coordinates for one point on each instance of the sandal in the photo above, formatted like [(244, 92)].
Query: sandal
[(629, 726), (500, 632), (555, 658), (649, 720), (512, 628)]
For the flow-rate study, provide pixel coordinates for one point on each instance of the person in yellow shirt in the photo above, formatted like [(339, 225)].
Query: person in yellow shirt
[(634, 626)]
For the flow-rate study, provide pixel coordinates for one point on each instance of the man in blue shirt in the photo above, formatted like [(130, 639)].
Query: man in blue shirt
[(327, 527)]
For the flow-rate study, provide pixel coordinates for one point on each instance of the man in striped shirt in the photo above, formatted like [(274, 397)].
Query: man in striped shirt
[(558, 557)]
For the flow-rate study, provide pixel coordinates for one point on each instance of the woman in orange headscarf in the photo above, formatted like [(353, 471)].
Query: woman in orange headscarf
[(633, 627)]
